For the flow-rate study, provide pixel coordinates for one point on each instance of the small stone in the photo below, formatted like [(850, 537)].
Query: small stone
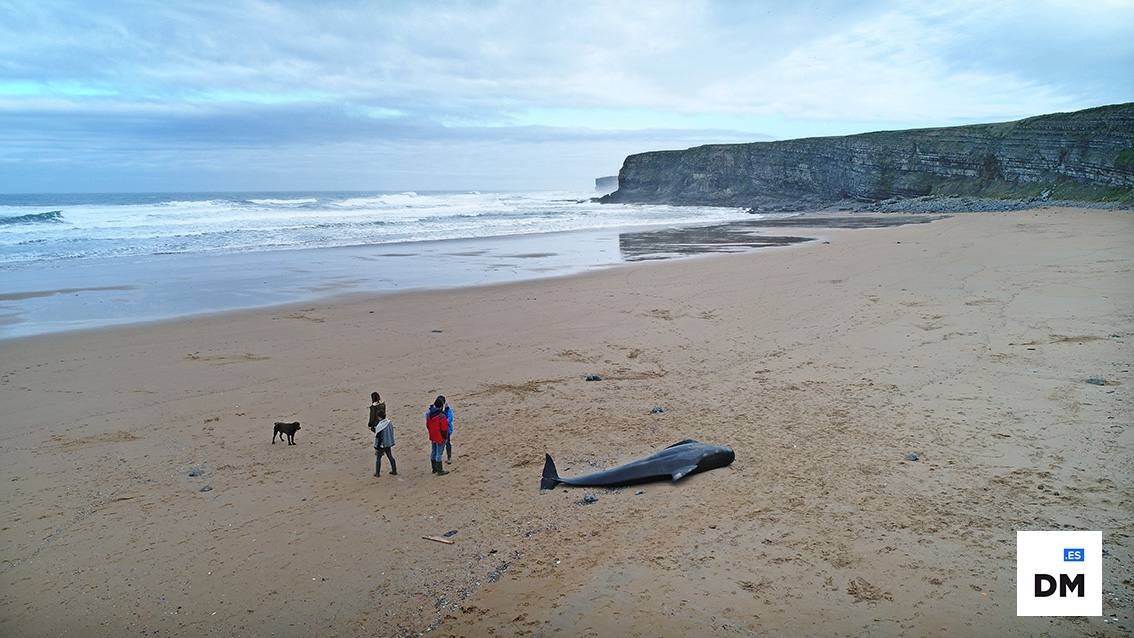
[(657, 409), (196, 470), (592, 377), (449, 534), (207, 488), (639, 492), (589, 498), (436, 331), (912, 456), (1096, 381)]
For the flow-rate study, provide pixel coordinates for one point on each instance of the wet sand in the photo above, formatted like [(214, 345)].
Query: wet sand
[(742, 236), (41, 298), (966, 341)]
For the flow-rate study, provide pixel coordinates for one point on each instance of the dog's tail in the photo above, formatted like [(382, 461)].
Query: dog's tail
[(550, 474)]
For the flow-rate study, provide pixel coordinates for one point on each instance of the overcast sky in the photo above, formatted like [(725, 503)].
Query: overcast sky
[(246, 95)]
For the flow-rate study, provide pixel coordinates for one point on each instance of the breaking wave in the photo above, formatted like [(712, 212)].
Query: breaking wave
[(283, 202), (115, 225), (50, 217)]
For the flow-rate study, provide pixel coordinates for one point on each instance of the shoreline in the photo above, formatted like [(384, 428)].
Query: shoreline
[(966, 341), (196, 285), (337, 299), (290, 277)]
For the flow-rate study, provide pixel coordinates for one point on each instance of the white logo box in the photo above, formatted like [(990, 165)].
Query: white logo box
[(1061, 576)]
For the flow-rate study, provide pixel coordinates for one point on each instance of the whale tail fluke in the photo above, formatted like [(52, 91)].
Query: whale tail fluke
[(550, 474)]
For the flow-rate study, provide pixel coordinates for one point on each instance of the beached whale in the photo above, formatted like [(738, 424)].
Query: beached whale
[(674, 463)]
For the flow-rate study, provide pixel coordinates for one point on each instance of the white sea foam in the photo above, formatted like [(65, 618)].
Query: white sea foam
[(284, 202), (123, 226)]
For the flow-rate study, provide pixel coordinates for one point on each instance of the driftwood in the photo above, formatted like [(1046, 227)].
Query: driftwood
[(438, 539)]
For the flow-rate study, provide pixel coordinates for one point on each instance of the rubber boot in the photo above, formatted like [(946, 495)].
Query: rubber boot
[(377, 465), (441, 471), (393, 467), (433, 464)]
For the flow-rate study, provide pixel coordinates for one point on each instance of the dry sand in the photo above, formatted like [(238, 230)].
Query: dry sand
[(967, 341)]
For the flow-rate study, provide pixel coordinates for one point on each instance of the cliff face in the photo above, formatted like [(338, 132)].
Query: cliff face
[(1082, 155)]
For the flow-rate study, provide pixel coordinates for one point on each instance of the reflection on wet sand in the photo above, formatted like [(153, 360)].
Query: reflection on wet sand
[(743, 235), (680, 242), (32, 294)]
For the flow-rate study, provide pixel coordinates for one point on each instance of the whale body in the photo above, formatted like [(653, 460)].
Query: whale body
[(673, 463)]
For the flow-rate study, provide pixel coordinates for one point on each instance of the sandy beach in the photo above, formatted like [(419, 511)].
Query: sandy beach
[(966, 342)]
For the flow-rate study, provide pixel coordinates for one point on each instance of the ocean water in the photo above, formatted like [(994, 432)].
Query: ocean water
[(46, 228), (72, 262)]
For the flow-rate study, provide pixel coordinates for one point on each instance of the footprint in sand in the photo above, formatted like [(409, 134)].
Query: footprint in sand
[(518, 390), (300, 315), (574, 355), (120, 436), (863, 591), (225, 359), (1073, 338)]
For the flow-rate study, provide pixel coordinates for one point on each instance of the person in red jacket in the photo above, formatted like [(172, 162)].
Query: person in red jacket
[(438, 425)]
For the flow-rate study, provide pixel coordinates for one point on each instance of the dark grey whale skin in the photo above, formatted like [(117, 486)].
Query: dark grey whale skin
[(673, 463)]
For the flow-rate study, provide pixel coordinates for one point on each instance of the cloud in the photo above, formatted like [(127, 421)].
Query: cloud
[(485, 61), (278, 82)]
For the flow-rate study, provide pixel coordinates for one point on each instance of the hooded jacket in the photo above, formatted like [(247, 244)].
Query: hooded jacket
[(437, 424), (384, 436)]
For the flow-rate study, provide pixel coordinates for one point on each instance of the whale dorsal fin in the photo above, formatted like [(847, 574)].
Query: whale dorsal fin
[(681, 472), (681, 442)]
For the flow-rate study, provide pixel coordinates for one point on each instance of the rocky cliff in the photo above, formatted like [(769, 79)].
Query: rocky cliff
[(1085, 155)]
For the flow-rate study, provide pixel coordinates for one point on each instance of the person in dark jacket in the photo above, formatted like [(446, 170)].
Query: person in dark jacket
[(383, 435), (438, 425), (452, 429)]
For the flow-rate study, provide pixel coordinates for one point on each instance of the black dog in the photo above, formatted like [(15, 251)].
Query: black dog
[(285, 428)]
